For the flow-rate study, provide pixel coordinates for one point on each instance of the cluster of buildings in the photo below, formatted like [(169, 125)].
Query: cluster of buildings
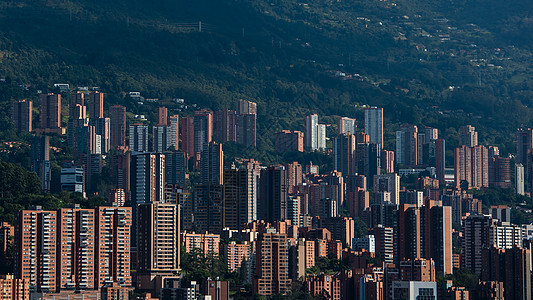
[(270, 223), (93, 136)]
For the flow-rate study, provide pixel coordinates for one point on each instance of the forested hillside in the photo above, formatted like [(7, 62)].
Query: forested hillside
[(435, 63)]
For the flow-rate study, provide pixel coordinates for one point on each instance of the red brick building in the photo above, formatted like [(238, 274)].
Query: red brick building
[(328, 286)]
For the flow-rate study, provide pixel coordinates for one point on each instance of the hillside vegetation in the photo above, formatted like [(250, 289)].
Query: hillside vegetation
[(434, 63)]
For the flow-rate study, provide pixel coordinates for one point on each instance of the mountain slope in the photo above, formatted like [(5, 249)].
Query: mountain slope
[(288, 56)]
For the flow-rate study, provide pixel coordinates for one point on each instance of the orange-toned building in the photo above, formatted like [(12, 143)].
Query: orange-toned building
[(235, 254), (272, 265), (207, 243), (36, 240), (288, 141), (73, 248), (162, 116), (158, 244), (96, 105), (187, 135), (117, 126), (50, 113), (328, 286), (115, 292), (225, 129), (335, 249), (113, 252), (12, 288), (387, 161), (471, 166), (22, 115), (417, 270), (302, 257), (6, 231), (321, 248)]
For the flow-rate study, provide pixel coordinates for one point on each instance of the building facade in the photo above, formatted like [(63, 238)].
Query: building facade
[(22, 115)]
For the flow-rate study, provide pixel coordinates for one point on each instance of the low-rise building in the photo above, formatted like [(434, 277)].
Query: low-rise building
[(207, 243), (328, 286)]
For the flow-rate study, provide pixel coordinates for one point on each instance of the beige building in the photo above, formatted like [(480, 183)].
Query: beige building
[(272, 265), (207, 243), (73, 248), (158, 244)]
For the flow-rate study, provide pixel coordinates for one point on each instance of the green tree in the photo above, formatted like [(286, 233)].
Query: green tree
[(198, 266)]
